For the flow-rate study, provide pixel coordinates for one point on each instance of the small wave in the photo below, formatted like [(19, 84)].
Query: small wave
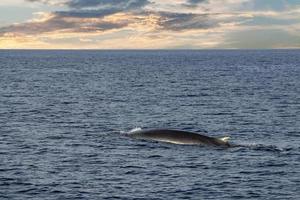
[(261, 147), (155, 156)]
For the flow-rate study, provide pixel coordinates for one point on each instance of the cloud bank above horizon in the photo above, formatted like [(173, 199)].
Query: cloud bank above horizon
[(149, 24)]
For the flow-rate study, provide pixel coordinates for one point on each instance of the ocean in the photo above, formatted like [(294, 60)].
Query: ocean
[(63, 115)]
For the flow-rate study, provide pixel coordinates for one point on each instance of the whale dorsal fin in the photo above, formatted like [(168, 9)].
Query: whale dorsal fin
[(224, 139)]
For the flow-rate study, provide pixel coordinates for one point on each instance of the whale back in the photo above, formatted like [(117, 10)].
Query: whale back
[(178, 137)]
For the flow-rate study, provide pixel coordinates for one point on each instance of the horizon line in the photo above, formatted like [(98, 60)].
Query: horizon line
[(144, 49)]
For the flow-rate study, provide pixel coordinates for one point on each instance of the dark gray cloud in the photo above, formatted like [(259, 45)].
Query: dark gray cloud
[(193, 3), (98, 13), (185, 21), (84, 4), (120, 4), (97, 8), (79, 4), (61, 24)]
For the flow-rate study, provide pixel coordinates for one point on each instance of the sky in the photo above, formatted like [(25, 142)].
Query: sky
[(149, 24)]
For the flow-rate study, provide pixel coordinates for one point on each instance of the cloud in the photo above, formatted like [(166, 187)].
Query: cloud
[(95, 16), (57, 23), (184, 21), (91, 16), (96, 8), (83, 16), (49, 2), (100, 21), (88, 13), (119, 4), (155, 23), (90, 4), (193, 3)]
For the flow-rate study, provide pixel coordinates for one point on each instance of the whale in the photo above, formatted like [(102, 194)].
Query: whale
[(179, 137)]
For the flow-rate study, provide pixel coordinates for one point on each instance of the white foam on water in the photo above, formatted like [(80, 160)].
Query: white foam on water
[(135, 129)]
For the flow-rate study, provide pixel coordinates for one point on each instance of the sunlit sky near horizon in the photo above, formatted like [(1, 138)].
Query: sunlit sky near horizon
[(149, 24)]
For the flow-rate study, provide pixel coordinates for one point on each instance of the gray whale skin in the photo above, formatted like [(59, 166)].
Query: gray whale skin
[(179, 137)]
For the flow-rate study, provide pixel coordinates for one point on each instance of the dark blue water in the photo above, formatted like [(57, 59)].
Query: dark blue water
[(62, 114)]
